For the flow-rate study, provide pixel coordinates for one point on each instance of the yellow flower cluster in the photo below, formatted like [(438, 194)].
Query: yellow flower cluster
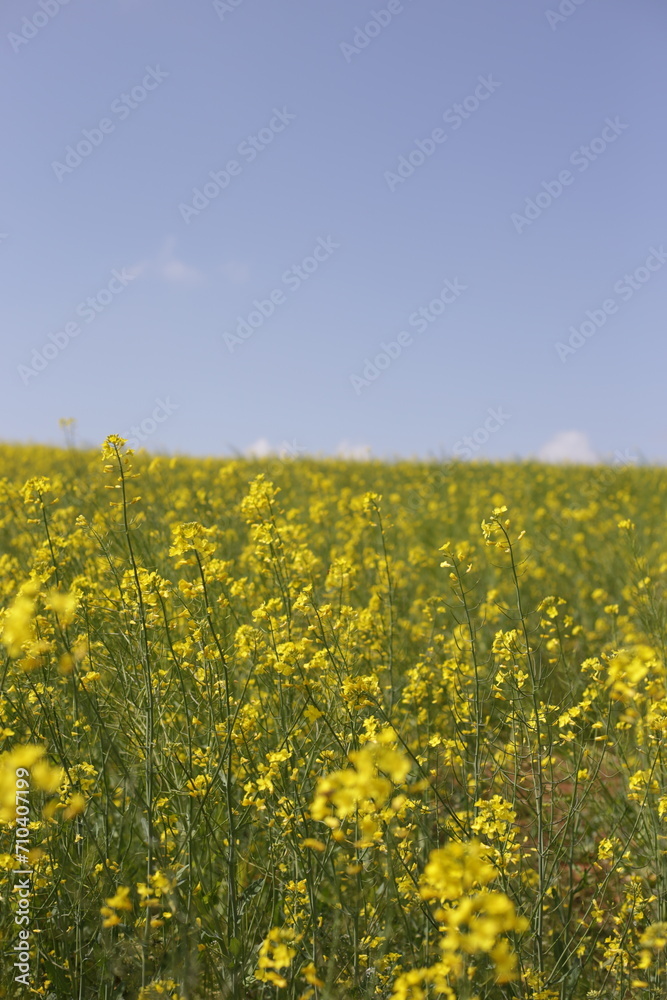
[(27, 762), (363, 790)]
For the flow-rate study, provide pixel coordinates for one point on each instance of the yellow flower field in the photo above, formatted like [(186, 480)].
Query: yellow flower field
[(326, 729)]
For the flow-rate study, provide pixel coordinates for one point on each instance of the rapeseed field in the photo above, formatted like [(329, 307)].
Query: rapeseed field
[(324, 729)]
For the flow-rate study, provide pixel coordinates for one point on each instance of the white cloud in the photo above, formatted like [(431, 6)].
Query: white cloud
[(178, 271), (262, 448), (259, 449), (168, 267), (355, 452), (568, 446)]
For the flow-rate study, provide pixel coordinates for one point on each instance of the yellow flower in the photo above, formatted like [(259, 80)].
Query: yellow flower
[(21, 769), (64, 605), (363, 787), (314, 844), (119, 901), (275, 954), (18, 628), (112, 445), (455, 869), (75, 806)]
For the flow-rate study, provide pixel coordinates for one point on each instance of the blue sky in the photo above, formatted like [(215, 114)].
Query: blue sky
[(432, 223)]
